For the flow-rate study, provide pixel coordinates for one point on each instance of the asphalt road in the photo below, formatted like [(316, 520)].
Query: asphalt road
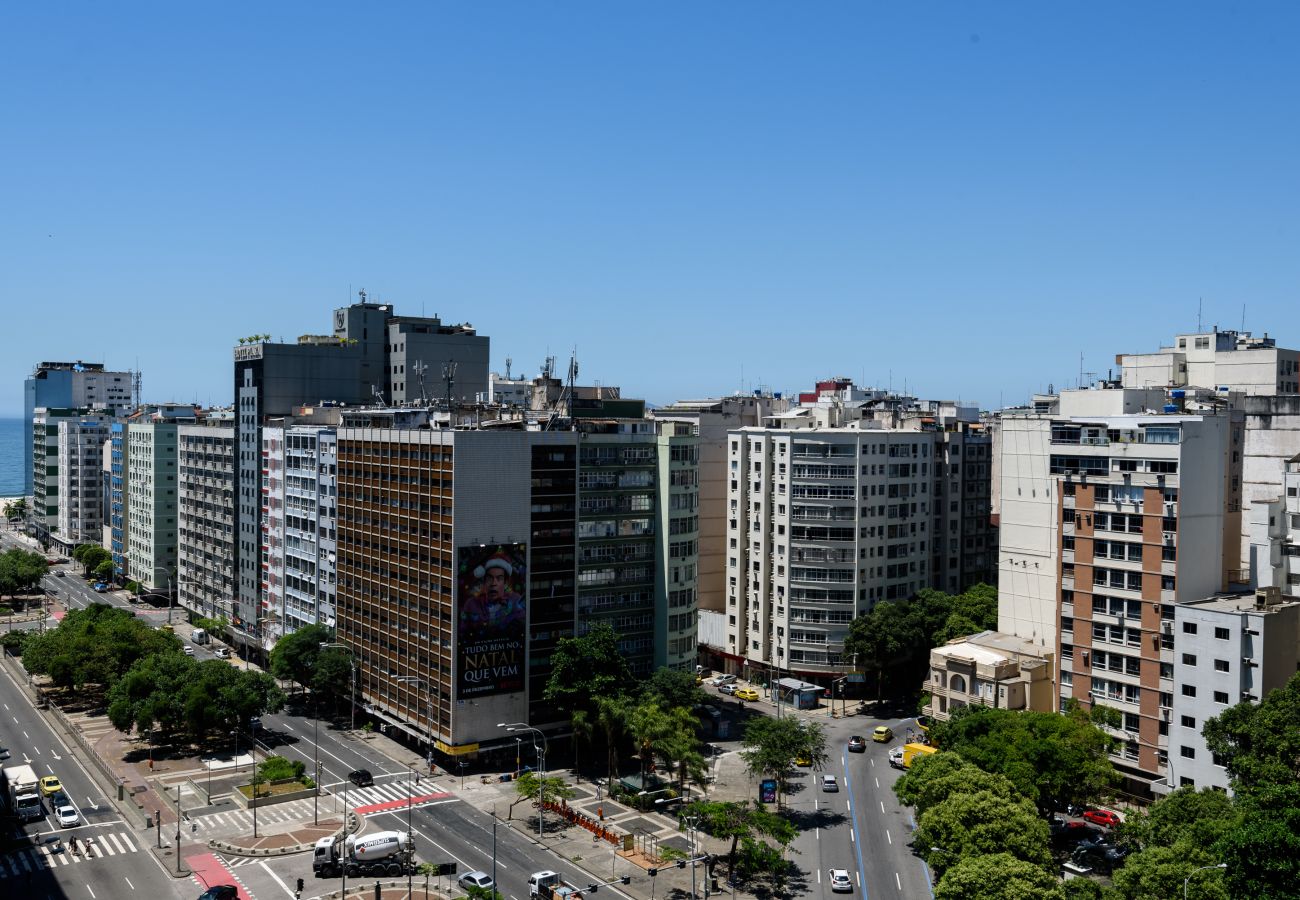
[(116, 866), (449, 830)]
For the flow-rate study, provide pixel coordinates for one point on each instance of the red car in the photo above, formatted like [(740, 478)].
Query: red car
[(1102, 817)]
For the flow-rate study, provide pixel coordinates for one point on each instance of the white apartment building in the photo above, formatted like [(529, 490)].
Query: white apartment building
[(1108, 521), (1227, 361), (206, 517), (80, 517), (1230, 649), (152, 494), (824, 523), (851, 498), (712, 419), (299, 482), (677, 546)]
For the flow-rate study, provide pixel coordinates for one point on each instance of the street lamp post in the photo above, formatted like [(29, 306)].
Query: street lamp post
[(1201, 869), (691, 822), (410, 802), (541, 766), (352, 682), (315, 742), (178, 829)]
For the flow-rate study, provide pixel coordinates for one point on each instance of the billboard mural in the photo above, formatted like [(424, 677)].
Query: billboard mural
[(492, 620)]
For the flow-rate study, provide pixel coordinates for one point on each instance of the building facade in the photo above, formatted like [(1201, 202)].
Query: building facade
[(1230, 649), (206, 516), (989, 669), (152, 496), (1110, 520), (677, 553), (80, 516), (71, 385)]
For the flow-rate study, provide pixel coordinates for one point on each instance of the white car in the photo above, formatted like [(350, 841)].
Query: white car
[(222, 652), (896, 757), (720, 680), (830, 785), (67, 816), (189, 651), (841, 883), (478, 879)]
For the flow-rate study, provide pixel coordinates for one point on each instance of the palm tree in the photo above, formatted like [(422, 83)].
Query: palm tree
[(580, 722), (611, 714)]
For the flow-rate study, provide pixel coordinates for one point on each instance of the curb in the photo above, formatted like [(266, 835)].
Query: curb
[(351, 826)]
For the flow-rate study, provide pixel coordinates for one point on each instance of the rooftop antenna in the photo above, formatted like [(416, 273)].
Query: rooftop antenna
[(420, 368), (378, 395), (1243, 318), (449, 376), (1199, 303), (573, 376), (509, 363)]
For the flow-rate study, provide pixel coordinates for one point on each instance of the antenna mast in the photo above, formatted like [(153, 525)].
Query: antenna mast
[(420, 368), (509, 362), (449, 376)]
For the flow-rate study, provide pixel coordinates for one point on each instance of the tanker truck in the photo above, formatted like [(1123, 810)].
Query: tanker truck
[(382, 853)]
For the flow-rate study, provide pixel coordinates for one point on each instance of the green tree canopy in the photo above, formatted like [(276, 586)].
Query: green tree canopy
[(21, 571), (1049, 757), (90, 556), (771, 746), (199, 700), (1262, 851), (673, 687), (1159, 872), (896, 636), (95, 645), (756, 834), (931, 784), (1184, 819), (998, 876), (532, 786), (968, 825), (294, 656), (585, 668), (332, 676)]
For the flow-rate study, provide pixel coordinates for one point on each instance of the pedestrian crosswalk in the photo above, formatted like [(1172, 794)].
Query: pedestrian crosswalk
[(51, 854), (328, 806)]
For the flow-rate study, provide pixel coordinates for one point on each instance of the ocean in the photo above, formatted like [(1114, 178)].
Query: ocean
[(12, 435)]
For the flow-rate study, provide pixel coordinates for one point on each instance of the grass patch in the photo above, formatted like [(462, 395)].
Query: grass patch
[(274, 790)]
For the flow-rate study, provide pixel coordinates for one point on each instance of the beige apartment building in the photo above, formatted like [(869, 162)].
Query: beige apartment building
[(989, 669)]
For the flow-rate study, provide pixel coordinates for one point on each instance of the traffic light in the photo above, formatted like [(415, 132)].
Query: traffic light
[(627, 879)]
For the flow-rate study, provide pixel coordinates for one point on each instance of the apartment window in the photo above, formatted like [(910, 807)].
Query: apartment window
[(1189, 628), (1189, 690), (1187, 752), (1189, 659), (1221, 665), (1221, 697), (1131, 721), (1221, 634), (1188, 722)]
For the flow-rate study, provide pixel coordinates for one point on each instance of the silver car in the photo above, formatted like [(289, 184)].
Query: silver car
[(478, 879), (68, 816)]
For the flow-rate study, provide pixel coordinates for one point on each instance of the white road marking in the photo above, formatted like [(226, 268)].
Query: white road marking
[(819, 876), (128, 882), (898, 881), (277, 878), (882, 807), (888, 837), (858, 875), (852, 839), (92, 893), (877, 781)]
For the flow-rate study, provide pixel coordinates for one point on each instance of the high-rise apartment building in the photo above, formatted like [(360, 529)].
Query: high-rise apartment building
[(1229, 649), (65, 487), (299, 493), (464, 556), (70, 385), (1111, 516), (677, 534), (80, 517), (205, 519), (849, 499), (152, 494), (712, 419), (118, 508), (369, 352)]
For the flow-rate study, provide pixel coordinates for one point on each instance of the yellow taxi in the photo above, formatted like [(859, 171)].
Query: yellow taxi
[(883, 734), (746, 693)]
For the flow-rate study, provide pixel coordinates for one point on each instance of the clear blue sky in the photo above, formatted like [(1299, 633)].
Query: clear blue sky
[(699, 197)]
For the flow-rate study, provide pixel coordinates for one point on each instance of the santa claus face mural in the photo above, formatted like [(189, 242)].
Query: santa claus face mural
[(492, 619)]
